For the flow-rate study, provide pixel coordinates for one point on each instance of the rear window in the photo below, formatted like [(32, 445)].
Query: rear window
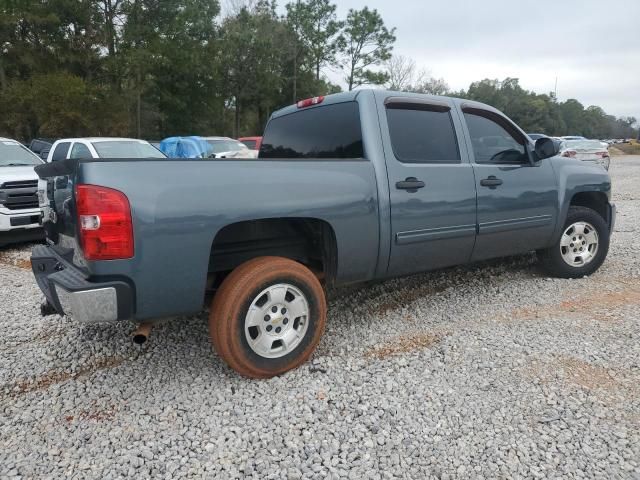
[(219, 146), (591, 145), (330, 131), (251, 144), (60, 153), (422, 135)]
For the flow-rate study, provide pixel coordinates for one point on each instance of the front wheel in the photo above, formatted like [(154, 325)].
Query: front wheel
[(581, 248), (267, 316)]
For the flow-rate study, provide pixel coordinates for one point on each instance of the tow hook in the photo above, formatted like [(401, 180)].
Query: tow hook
[(47, 309), (141, 334)]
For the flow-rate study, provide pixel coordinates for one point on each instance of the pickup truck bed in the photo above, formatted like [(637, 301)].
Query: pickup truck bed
[(348, 188)]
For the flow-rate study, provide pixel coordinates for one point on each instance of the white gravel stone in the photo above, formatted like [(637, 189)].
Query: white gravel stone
[(481, 371)]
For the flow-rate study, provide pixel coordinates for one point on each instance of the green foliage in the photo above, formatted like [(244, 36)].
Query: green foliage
[(537, 113), (316, 25), (154, 68), (365, 42)]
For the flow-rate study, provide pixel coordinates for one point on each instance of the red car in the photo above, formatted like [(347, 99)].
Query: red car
[(252, 142)]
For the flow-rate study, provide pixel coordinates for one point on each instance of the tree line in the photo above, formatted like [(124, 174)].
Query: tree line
[(535, 113), (155, 68)]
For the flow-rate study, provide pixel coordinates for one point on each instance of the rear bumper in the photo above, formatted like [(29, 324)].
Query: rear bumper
[(70, 293)]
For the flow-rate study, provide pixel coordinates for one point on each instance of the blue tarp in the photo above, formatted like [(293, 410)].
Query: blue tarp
[(185, 147)]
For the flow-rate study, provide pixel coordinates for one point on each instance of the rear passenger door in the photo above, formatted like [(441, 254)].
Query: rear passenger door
[(517, 198), (432, 187)]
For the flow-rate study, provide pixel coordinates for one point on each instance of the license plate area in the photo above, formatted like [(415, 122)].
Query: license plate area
[(23, 221)]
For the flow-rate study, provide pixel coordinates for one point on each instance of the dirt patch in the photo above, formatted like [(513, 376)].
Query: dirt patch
[(575, 371), (584, 374), (15, 262), (404, 344), (591, 303), (626, 148), (53, 377), (404, 297), (95, 413)]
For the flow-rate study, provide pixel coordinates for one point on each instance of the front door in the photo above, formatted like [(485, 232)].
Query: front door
[(517, 199), (432, 188)]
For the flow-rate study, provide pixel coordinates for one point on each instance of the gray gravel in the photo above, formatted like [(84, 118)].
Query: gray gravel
[(491, 371)]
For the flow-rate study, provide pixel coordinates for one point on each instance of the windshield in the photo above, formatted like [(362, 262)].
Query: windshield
[(13, 154), (126, 149), (219, 146)]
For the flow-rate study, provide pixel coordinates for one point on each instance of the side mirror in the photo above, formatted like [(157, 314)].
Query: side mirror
[(546, 147)]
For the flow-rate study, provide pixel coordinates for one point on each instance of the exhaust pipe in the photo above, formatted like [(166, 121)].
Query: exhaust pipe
[(141, 333)]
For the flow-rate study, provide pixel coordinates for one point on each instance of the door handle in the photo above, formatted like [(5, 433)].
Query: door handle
[(410, 184), (492, 182)]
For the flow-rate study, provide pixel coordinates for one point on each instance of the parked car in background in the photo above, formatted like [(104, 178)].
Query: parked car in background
[(352, 187), (102, 147), (184, 147), (205, 147), (586, 150), (41, 146), (252, 143), (225, 147), (536, 136), (20, 213)]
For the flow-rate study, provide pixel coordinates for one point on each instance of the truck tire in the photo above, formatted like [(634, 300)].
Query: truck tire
[(267, 317), (581, 248)]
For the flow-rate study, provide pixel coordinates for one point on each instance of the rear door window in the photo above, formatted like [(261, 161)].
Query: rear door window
[(60, 152), (329, 131), (422, 133), (80, 151)]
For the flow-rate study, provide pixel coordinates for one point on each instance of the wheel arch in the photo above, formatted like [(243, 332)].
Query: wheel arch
[(594, 200), (308, 240)]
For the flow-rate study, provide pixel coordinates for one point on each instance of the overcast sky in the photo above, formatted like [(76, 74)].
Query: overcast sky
[(593, 47)]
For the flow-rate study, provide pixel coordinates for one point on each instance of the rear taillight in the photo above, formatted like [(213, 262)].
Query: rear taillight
[(569, 153), (602, 154), (309, 102), (104, 222)]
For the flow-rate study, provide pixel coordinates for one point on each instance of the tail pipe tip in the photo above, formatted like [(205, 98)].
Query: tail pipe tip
[(141, 334)]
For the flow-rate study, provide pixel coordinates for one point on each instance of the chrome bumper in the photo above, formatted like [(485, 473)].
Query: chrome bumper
[(68, 291), (89, 306)]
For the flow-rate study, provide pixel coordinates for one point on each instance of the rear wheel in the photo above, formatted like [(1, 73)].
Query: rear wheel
[(581, 248), (267, 317)]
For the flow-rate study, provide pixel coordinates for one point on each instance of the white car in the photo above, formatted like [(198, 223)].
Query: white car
[(102, 147), (225, 147), (587, 151), (20, 217), (95, 147)]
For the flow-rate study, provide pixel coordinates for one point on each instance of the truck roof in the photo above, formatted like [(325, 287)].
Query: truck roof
[(353, 95)]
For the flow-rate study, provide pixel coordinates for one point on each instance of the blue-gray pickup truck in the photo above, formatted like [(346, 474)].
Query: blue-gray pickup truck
[(347, 188)]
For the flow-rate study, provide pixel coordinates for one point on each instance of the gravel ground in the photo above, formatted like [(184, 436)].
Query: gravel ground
[(490, 371)]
